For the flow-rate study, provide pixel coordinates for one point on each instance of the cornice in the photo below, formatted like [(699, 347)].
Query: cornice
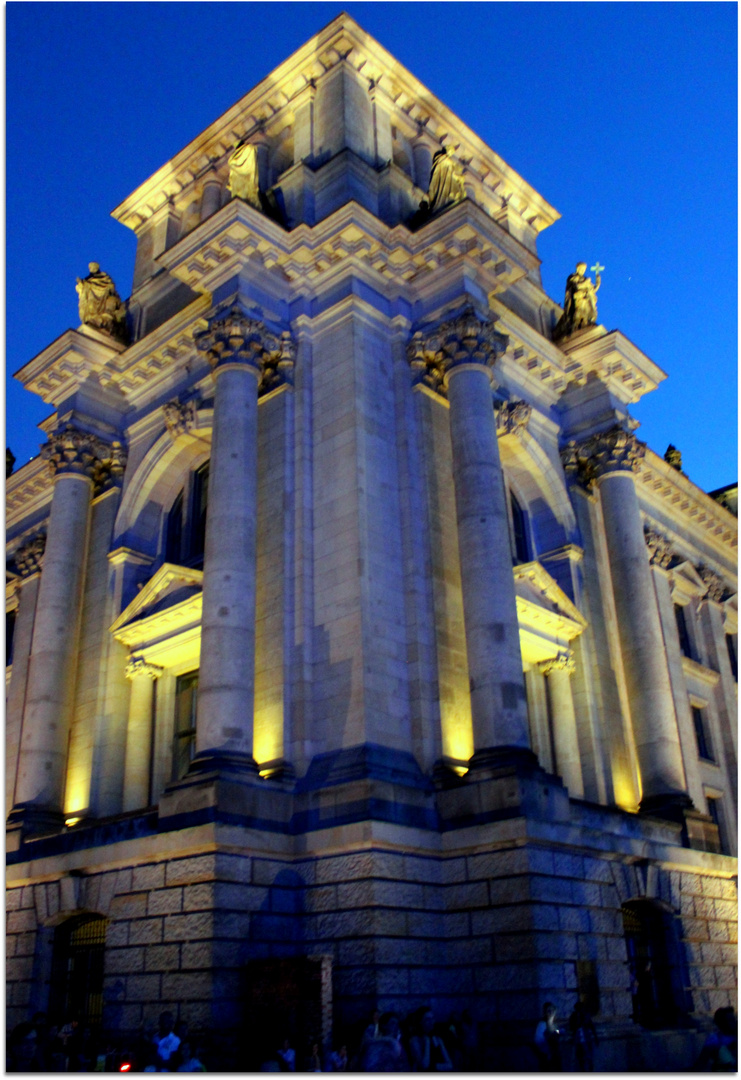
[(62, 366), (27, 491), (271, 104), (614, 359), (688, 507)]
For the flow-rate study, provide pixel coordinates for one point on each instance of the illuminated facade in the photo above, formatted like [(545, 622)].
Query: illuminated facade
[(351, 618)]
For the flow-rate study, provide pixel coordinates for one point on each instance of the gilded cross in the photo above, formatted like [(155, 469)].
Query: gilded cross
[(597, 269)]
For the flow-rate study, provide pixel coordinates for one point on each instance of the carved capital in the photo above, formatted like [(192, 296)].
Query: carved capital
[(180, 419), (138, 666), (70, 450), (464, 340), (512, 417), (563, 662), (29, 556), (234, 338), (660, 551), (616, 450), (716, 587)]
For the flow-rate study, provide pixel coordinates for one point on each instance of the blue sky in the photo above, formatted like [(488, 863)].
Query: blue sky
[(623, 116)]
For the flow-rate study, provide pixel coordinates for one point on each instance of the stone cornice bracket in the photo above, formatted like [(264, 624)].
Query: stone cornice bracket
[(72, 451), (234, 338), (464, 341), (563, 662), (138, 666), (512, 417), (29, 557), (180, 418), (660, 551), (616, 450), (715, 585)]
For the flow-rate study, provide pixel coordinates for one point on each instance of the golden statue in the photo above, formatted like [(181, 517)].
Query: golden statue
[(100, 304), (243, 176), (446, 182), (580, 304)]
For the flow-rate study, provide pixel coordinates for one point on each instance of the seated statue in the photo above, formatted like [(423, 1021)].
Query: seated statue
[(446, 182), (100, 304), (243, 176), (580, 304)]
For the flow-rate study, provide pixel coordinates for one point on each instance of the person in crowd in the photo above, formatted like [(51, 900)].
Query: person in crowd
[(584, 1037), (385, 1053), (720, 1050), (469, 1037), (314, 1058), (337, 1060), (23, 1050), (288, 1056), (189, 1062), (165, 1040), (547, 1040), (427, 1051)]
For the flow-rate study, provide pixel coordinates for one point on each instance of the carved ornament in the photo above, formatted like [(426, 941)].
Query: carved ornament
[(138, 666), (464, 340), (512, 417), (660, 551), (70, 450), (234, 338), (715, 585), (180, 419), (563, 662), (29, 556), (616, 450)]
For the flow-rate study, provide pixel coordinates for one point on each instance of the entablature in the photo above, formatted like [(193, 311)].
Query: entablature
[(62, 367), (27, 492)]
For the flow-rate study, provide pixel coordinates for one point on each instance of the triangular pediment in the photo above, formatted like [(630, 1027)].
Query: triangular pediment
[(535, 585), (687, 583), (168, 588)]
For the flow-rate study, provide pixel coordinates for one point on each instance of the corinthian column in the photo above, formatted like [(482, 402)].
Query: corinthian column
[(611, 459), (558, 672), (78, 461), (244, 356), (459, 358), (138, 760)]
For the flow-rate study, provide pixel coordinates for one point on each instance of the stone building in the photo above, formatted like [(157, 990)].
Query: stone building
[(359, 645)]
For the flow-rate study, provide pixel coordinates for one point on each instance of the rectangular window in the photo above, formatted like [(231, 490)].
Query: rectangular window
[(9, 634), (715, 812), (198, 516), (174, 536), (704, 746), (684, 637), (184, 737), (731, 646), (519, 529)]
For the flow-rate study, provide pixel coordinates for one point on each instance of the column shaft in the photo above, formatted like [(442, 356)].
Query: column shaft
[(48, 708), (227, 669), (565, 738), (137, 771), (22, 640), (498, 702), (641, 641)]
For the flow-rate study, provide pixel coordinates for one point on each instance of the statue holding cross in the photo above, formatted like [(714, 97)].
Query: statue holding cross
[(580, 304)]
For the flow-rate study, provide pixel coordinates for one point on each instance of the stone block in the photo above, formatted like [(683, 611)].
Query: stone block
[(604, 921), (124, 961), (725, 910), (18, 968), (545, 916), (426, 871), (185, 986), (386, 921), (515, 890), (145, 931), (234, 868), (349, 982), (551, 890), (514, 947), (719, 931), (361, 894), (143, 988), (587, 893), (164, 957), (344, 868), (116, 935), (565, 865), (150, 876), (22, 920), (704, 907), (133, 906), (573, 918), (474, 894), (540, 861), (13, 899), (188, 871), (193, 927), (322, 898), (347, 924), (165, 901), (505, 863), (356, 953), (474, 951), (598, 870), (198, 897), (501, 920), (237, 925)]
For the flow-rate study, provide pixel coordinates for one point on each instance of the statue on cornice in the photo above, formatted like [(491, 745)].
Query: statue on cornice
[(673, 457), (243, 175), (100, 304), (580, 303), (446, 182)]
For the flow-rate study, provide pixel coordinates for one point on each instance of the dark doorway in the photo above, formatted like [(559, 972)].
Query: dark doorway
[(288, 998), (77, 969), (655, 964)]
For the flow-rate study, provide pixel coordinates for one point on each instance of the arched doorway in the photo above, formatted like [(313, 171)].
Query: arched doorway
[(655, 963), (77, 969)]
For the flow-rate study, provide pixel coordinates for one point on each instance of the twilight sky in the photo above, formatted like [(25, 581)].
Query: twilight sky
[(622, 115)]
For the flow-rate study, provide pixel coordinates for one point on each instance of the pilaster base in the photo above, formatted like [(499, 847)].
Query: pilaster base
[(27, 822), (698, 830)]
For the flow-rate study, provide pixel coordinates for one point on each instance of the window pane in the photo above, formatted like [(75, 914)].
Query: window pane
[(200, 503), (184, 740), (704, 747), (684, 637), (174, 538), (9, 632), (519, 528), (731, 646)]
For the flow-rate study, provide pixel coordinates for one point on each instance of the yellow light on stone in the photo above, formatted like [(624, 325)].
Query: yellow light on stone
[(70, 821), (268, 735), (457, 730)]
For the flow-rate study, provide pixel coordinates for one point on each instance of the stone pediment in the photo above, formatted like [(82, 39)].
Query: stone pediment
[(547, 618), (168, 603), (687, 583)]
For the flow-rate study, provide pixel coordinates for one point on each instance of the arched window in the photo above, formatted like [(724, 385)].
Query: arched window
[(519, 531), (655, 963), (185, 526), (77, 969)]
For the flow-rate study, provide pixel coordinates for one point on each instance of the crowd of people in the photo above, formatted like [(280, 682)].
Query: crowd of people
[(388, 1043)]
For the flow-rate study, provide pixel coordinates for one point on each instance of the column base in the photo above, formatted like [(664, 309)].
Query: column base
[(496, 759), (27, 821), (223, 788), (698, 830), (222, 762)]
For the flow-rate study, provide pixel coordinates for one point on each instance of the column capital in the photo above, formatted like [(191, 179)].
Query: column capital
[(716, 587), (29, 557), (138, 666), (660, 551), (616, 450), (512, 417), (72, 451), (233, 337), (564, 661), (463, 342)]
